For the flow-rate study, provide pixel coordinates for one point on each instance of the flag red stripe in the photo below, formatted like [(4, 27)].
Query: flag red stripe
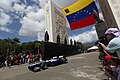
[(83, 22)]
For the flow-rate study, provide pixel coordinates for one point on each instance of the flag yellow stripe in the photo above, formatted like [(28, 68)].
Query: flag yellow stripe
[(78, 5)]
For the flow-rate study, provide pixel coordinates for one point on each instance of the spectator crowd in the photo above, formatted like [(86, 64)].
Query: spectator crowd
[(18, 59), (109, 47)]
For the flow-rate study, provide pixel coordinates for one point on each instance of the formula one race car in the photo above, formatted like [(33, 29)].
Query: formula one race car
[(37, 66), (57, 60)]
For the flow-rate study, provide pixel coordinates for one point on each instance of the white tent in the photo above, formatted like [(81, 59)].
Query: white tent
[(93, 48)]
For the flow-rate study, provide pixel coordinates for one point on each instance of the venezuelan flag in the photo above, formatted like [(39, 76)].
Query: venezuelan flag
[(80, 14)]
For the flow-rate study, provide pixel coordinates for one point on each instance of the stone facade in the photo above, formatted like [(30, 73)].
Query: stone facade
[(55, 22), (115, 6), (107, 12)]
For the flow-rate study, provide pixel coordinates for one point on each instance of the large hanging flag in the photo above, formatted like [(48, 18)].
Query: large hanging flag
[(80, 14)]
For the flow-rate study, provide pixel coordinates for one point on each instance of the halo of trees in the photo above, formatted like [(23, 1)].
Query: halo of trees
[(14, 46)]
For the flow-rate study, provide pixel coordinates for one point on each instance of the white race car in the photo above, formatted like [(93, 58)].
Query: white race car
[(57, 60), (37, 66)]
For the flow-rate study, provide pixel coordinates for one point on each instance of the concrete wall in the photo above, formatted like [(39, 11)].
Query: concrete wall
[(107, 12), (52, 49), (115, 6)]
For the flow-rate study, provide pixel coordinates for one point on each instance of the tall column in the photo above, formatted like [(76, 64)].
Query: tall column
[(108, 15), (55, 22)]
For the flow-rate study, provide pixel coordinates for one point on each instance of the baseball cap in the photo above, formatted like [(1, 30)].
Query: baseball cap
[(114, 31)]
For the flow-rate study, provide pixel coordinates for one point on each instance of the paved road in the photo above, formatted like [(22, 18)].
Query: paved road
[(79, 67)]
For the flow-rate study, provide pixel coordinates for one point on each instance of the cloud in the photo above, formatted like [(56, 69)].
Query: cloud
[(32, 23), (4, 19), (42, 2), (6, 5), (37, 16), (31, 17), (29, 9), (5, 29), (19, 7), (85, 37), (40, 37)]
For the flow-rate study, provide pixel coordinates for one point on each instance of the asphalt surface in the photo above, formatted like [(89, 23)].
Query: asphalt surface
[(79, 67)]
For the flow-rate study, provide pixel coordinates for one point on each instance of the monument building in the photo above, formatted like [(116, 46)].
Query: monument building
[(110, 10), (55, 23), (108, 13), (115, 7)]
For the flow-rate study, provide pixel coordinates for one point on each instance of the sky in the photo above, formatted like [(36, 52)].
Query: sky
[(25, 19)]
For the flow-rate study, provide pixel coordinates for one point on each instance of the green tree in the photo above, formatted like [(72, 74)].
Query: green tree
[(80, 45), (38, 46)]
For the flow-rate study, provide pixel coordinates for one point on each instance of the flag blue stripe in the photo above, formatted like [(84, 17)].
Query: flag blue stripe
[(83, 13)]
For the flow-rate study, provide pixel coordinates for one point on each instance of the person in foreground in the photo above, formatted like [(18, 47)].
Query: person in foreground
[(112, 50)]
